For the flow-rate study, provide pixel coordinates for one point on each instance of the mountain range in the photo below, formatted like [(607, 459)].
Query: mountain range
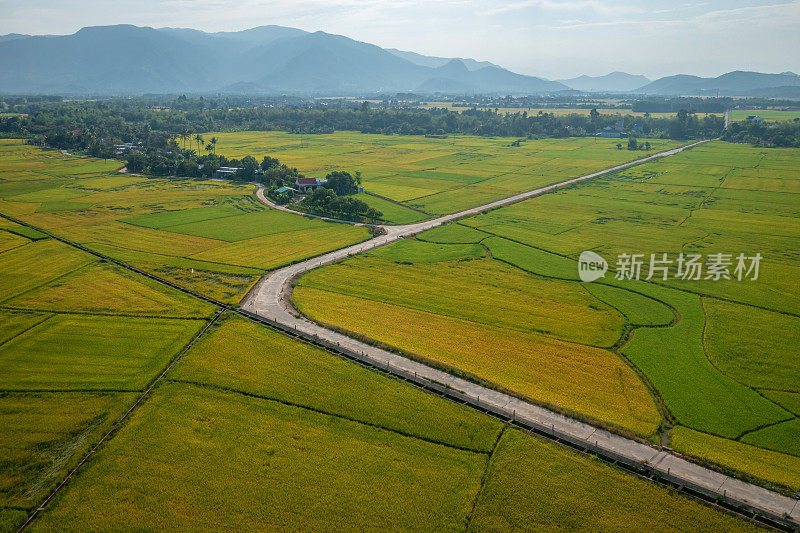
[(129, 60), (614, 82), (736, 83)]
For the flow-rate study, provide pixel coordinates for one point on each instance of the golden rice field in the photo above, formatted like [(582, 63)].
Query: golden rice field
[(209, 236), (252, 429), (720, 357), (248, 444), (435, 175)]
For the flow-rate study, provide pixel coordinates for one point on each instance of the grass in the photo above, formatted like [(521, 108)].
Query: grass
[(42, 435), (697, 394), (392, 212), (761, 352), (575, 377), (720, 355), (434, 175), (28, 233), (480, 291), (766, 114), (535, 485), (92, 352), (255, 430), (24, 268)]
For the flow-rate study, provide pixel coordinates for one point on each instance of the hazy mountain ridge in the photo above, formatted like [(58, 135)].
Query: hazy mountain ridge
[(126, 59), (436, 62), (736, 83), (613, 82)]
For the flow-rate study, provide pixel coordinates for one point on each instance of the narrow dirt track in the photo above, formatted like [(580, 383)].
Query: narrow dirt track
[(269, 299)]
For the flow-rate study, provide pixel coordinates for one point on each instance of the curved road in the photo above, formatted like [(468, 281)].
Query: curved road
[(270, 299)]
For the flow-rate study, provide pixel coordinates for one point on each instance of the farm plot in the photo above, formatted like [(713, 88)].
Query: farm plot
[(79, 338), (766, 114), (211, 237), (719, 355), (247, 443), (435, 175), (538, 337), (534, 485)]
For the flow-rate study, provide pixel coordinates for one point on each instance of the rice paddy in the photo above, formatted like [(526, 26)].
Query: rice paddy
[(247, 443), (434, 175), (209, 236), (719, 356), (253, 429)]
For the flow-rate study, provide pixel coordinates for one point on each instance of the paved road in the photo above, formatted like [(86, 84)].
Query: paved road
[(270, 299)]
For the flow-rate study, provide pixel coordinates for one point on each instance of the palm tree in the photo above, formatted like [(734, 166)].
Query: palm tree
[(184, 136), (214, 144), (199, 139)]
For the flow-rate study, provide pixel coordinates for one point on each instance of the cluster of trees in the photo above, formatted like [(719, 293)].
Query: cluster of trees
[(766, 134), (634, 144), (172, 160), (327, 203), (94, 126)]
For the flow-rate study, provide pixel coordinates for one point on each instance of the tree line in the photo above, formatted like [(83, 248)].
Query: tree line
[(95, 126), (766, 134)]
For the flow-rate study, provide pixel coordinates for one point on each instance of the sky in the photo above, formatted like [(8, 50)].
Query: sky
[(550, 38)]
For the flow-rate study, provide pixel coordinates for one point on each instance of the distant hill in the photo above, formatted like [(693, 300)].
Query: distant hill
[(126, 59), (436, 62), (736, 83), (12, 36), (613, 82)]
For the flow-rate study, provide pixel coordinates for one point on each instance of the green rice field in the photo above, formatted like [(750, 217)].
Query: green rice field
[(238, 410), (435, 175), (209, 236), (719, 359), (248, 428)]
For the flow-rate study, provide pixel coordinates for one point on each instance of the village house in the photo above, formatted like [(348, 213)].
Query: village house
[(225, 172), (308, 184)]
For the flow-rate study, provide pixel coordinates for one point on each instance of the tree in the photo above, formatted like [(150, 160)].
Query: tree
[(342, 183), (619, 146), (214, 144), (199, 140), (633, 144), (248, 166), (647, 145), (136, 163), (269, 162)]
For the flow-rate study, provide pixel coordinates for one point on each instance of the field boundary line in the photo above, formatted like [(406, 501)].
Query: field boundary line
[(485, 476), (707, 355), (92, 313), (117, 425), (688, 291), (268, 302), (26, 330), (316, 410)]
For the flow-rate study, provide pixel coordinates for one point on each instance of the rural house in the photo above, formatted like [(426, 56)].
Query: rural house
[(308, 184), (225, 172)]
